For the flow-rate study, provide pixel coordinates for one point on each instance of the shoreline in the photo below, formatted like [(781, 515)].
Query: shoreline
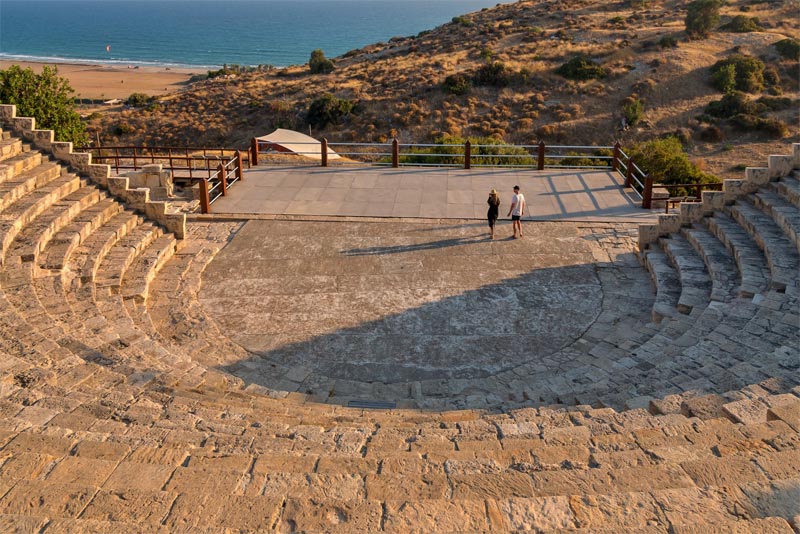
[(107, 82)]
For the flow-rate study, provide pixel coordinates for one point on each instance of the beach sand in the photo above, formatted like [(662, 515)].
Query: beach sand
[(109, 82)]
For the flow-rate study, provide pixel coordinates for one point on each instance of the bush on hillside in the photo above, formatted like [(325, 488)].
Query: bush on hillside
[(632, 110), (773, 127), (328, 110), (484, 151), (581, 67), (494, 74), (667, 163), (742, 24), (46, 97), (747, 115), (457, 84), (748, 74), (732, 104), (668, 41), (788, 48), (319, 64), (701, 17), (139, 100), (463, 20)]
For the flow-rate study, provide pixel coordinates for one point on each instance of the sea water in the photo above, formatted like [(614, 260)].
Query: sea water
[(207, 33)]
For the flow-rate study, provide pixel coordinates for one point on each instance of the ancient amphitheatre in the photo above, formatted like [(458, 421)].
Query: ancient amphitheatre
[(592, 377)]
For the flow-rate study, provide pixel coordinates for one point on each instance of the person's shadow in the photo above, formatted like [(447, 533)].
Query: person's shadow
[(398, 249)]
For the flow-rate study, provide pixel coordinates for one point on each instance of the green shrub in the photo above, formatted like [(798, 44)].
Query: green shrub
[(775, 103), (633, 109), (457, 84), (711, 134), (772, 127), (667, 163), (749, 73), (123, 128), (494, 74), (668, 41), (724, 78), (484, 151), (328, 110), (139, 100), (581, 68), (46, 97), (732, 104), (701, 17), (788, 48), (319, 64), (463, 21), (742, 24)]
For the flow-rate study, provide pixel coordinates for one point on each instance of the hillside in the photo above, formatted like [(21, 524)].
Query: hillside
[(396, 88)]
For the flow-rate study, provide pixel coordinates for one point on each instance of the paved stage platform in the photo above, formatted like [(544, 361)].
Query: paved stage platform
[(440, 193)]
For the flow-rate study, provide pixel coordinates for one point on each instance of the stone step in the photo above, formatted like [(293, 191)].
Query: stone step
[(137, 278), (10, 148), (83, 263), (667, 282), (785, 214), (719, 262), (15, 188), (20, 163), (695, 281), (112, 269), (789, 188), (63, 243), (750, 260), (22, 212), (35, 236), (781, 253)]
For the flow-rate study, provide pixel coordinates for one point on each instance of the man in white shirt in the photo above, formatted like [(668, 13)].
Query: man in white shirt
[(517, 210)]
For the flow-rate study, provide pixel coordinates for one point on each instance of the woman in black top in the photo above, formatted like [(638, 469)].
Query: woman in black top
[(494, 205)]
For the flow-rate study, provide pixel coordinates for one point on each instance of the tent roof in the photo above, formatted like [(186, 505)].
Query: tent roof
[(298, 143)]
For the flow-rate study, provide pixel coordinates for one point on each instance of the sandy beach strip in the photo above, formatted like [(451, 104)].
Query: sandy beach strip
[(107, 82)]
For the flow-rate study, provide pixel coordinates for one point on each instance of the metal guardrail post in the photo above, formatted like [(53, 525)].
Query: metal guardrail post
[(324, 148), (467, 154), (617, 154), (222, 172), (647, 195), (540, 162), (238, 165), (395, 153), (629, 173), (205, 204), (254, 151)]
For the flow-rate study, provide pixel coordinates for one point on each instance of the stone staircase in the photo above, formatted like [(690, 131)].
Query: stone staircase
[(115, 419)]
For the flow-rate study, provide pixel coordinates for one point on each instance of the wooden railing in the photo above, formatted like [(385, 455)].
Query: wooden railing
[(214, 169)]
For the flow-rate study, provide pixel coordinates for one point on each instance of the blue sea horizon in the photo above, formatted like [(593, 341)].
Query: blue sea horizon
[(206, 33)]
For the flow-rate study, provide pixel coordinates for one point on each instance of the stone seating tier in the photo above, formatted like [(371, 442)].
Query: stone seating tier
[(114, 418)]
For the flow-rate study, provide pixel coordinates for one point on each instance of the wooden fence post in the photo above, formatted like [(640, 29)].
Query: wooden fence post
[(617, 155), (223, 176), (205, 204), (254, 151), (540, 162), (467, 154), (629, 173), (324, 154), (238, 165), (395, 153), (647, 195)]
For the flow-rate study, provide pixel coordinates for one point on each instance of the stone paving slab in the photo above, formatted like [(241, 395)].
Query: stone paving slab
[(552, 194)]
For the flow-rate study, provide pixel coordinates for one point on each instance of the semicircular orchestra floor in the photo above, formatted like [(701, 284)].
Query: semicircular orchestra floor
[(430, 313)]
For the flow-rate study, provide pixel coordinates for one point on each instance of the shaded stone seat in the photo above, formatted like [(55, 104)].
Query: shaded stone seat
[(667, 282), (753, 268), (694, 279), (719, 262), (18, 185)]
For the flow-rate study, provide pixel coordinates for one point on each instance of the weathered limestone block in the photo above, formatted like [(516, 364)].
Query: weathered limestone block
[(99, 173), (669, 224), (780, 166), (713, 200), (7, 112), (43, 138), (659, 198), (118, 185), (691, 212), (23, 124), (734, 189), (138, 198), (154, 178), (796, 155), (648, 233), (757, 175)]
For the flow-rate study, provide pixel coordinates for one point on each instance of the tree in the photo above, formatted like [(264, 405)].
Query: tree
[(666, 162), (328, 110), (701, 17), (319, 64), (46, 97), (748, 73)]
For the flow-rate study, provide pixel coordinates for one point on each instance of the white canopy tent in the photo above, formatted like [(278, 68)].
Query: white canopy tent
[(294, 142)]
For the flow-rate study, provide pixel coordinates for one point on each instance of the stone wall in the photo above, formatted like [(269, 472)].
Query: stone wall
[(131, 194)]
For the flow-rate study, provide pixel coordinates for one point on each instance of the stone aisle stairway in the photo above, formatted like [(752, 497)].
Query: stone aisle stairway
[(111, 424)]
